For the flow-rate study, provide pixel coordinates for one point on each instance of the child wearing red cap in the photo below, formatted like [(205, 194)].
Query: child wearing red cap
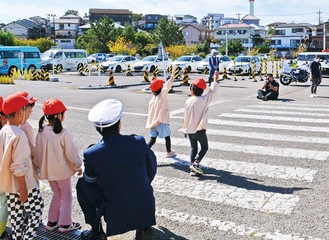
[(196, 120), (158, 113), (16, 173), (58, 161)]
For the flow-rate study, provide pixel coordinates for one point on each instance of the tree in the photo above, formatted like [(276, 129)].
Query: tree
[(129, 33), (7, 38), (168, 33), (42, 43), (71, 12), (234, 47), (142, 40), (122, 46), (136, 17), (204, 47), (180, 50), (96, 39)]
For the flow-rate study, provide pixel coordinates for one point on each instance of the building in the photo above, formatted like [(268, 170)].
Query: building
[(239, 31), (151, 21), (288, 36), (25, 28), (320, 36), (212, 20), (193, 34), (181, 19), (250, 19), (121, 16)]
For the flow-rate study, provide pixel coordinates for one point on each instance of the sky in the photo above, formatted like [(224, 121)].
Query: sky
[(268, 11)]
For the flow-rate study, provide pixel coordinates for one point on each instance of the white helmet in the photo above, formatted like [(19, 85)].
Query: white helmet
[(214, 51)]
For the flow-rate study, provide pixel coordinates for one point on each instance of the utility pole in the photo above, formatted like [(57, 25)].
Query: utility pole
[(238, 14), (54, 32), (319, 12), (226, 50)]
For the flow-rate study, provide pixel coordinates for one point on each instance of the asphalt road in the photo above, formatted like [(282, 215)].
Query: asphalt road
[(266, 171)]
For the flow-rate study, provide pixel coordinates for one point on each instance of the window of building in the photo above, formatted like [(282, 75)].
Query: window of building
[(280, 32), (297, 30), (61, 26)]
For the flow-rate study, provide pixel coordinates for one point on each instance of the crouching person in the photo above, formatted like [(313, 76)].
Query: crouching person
[(116, 182)]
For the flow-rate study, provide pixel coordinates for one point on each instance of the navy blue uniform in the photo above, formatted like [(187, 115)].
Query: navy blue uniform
[(118, 174)]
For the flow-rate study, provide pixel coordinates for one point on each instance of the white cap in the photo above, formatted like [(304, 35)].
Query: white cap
[(213, 51), (106, 113)]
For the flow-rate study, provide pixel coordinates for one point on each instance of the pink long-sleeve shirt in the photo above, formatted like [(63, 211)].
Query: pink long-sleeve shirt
[(57, 155)]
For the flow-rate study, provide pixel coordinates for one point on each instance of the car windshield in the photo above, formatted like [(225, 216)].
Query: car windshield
[(242, 59), (149, 59), (47, 54), (118, 58), (184, 59)]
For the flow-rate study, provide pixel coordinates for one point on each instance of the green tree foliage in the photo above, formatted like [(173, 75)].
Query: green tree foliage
[(234, 47), (142, 41), (137, 17), (7, 38), (168, 33), (42, 43), (71, 12), (96, 39), (129, 33), (204, 48)]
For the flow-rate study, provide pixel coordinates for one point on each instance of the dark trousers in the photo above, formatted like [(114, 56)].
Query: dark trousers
[(89, 197), (268, 95), (201, 137), (314, 85)]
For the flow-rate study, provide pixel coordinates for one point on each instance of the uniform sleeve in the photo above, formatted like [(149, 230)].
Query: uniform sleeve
[(88, 173), (21, 158), (70, 150)]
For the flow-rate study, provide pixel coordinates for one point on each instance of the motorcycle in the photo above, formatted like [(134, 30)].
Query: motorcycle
[(299, 74)]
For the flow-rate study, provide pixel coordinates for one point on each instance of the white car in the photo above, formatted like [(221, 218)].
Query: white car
[(224, 61), (92, 58), (150, 62), (189, 62), (244, 64), (119, 63)]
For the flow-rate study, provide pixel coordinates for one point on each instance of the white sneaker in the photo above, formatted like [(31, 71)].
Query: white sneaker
[(312, 95), (316, 95)]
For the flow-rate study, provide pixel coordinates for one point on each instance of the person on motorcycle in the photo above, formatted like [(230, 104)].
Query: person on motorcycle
[(315, 75), (270, 89)]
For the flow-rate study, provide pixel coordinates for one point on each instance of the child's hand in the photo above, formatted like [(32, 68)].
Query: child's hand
[(79, 171), (23, 195)]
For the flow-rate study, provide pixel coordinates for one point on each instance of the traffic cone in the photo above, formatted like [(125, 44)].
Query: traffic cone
[(177, 76), (80, 69), (225, 74), (234, 72), (146, 76), (128, 71), (254, 71), (111, 79), (185, 78), (206, 70), (46, 75)]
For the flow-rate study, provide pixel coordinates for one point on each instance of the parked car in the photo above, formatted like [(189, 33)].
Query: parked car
[(119, 63), (94, 57), (243, 64), (189, 62), (224, 61), (263, 56), (150, 62)]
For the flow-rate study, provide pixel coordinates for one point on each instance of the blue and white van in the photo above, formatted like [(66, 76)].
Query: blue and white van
[(19, 57)]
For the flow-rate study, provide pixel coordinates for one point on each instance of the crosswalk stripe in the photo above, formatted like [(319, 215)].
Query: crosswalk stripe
[(257, 125), (267, 112), (259, 150), (242, 167), (227, 226), (293, 108), (263, 201), (274, 118), (268, 136)]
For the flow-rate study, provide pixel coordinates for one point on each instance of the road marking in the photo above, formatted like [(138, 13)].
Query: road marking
[(259, 150), (243, 167), (227, 226), (283, 112), (281, 106), (257, 125), (274, 118), (268, 136), (269, 202)]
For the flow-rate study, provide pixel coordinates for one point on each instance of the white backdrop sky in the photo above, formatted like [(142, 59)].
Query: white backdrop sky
[(268, 11)]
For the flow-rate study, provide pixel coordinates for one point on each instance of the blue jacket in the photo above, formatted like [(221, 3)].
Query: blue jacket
[(124, 167), (214, 62)]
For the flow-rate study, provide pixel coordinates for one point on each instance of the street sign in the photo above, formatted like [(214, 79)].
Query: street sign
[(101, 57), (21, 55)]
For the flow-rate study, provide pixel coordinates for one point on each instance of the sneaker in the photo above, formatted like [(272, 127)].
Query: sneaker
[(312, 95), (51, 226), (90, 235), (193, 173), (264, 98), (196, 168), (5, 236), (74, 226), (170, 154), (316, 95), (259, 97), (145, 234)]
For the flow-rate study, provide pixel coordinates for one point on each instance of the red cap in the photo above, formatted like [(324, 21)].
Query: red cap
[(13, 103), (156, 84), (53, 106), (200, 83), (1, 102), (28, 96)]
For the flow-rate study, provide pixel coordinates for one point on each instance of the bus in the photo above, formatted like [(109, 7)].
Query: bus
[(19, 57), (64, 58)]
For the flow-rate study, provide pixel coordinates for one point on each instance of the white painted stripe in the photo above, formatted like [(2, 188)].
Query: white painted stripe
[(268, 136), (268, 126), (275, 118), (227, 226), (267, 112), (259, 150), (243, 167), (263, 201), (279, 103), (293, 108)]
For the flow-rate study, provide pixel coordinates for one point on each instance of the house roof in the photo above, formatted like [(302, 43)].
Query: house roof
[(196, 26), (28, 23), (63, 20), (250, 17), (110, 11)]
